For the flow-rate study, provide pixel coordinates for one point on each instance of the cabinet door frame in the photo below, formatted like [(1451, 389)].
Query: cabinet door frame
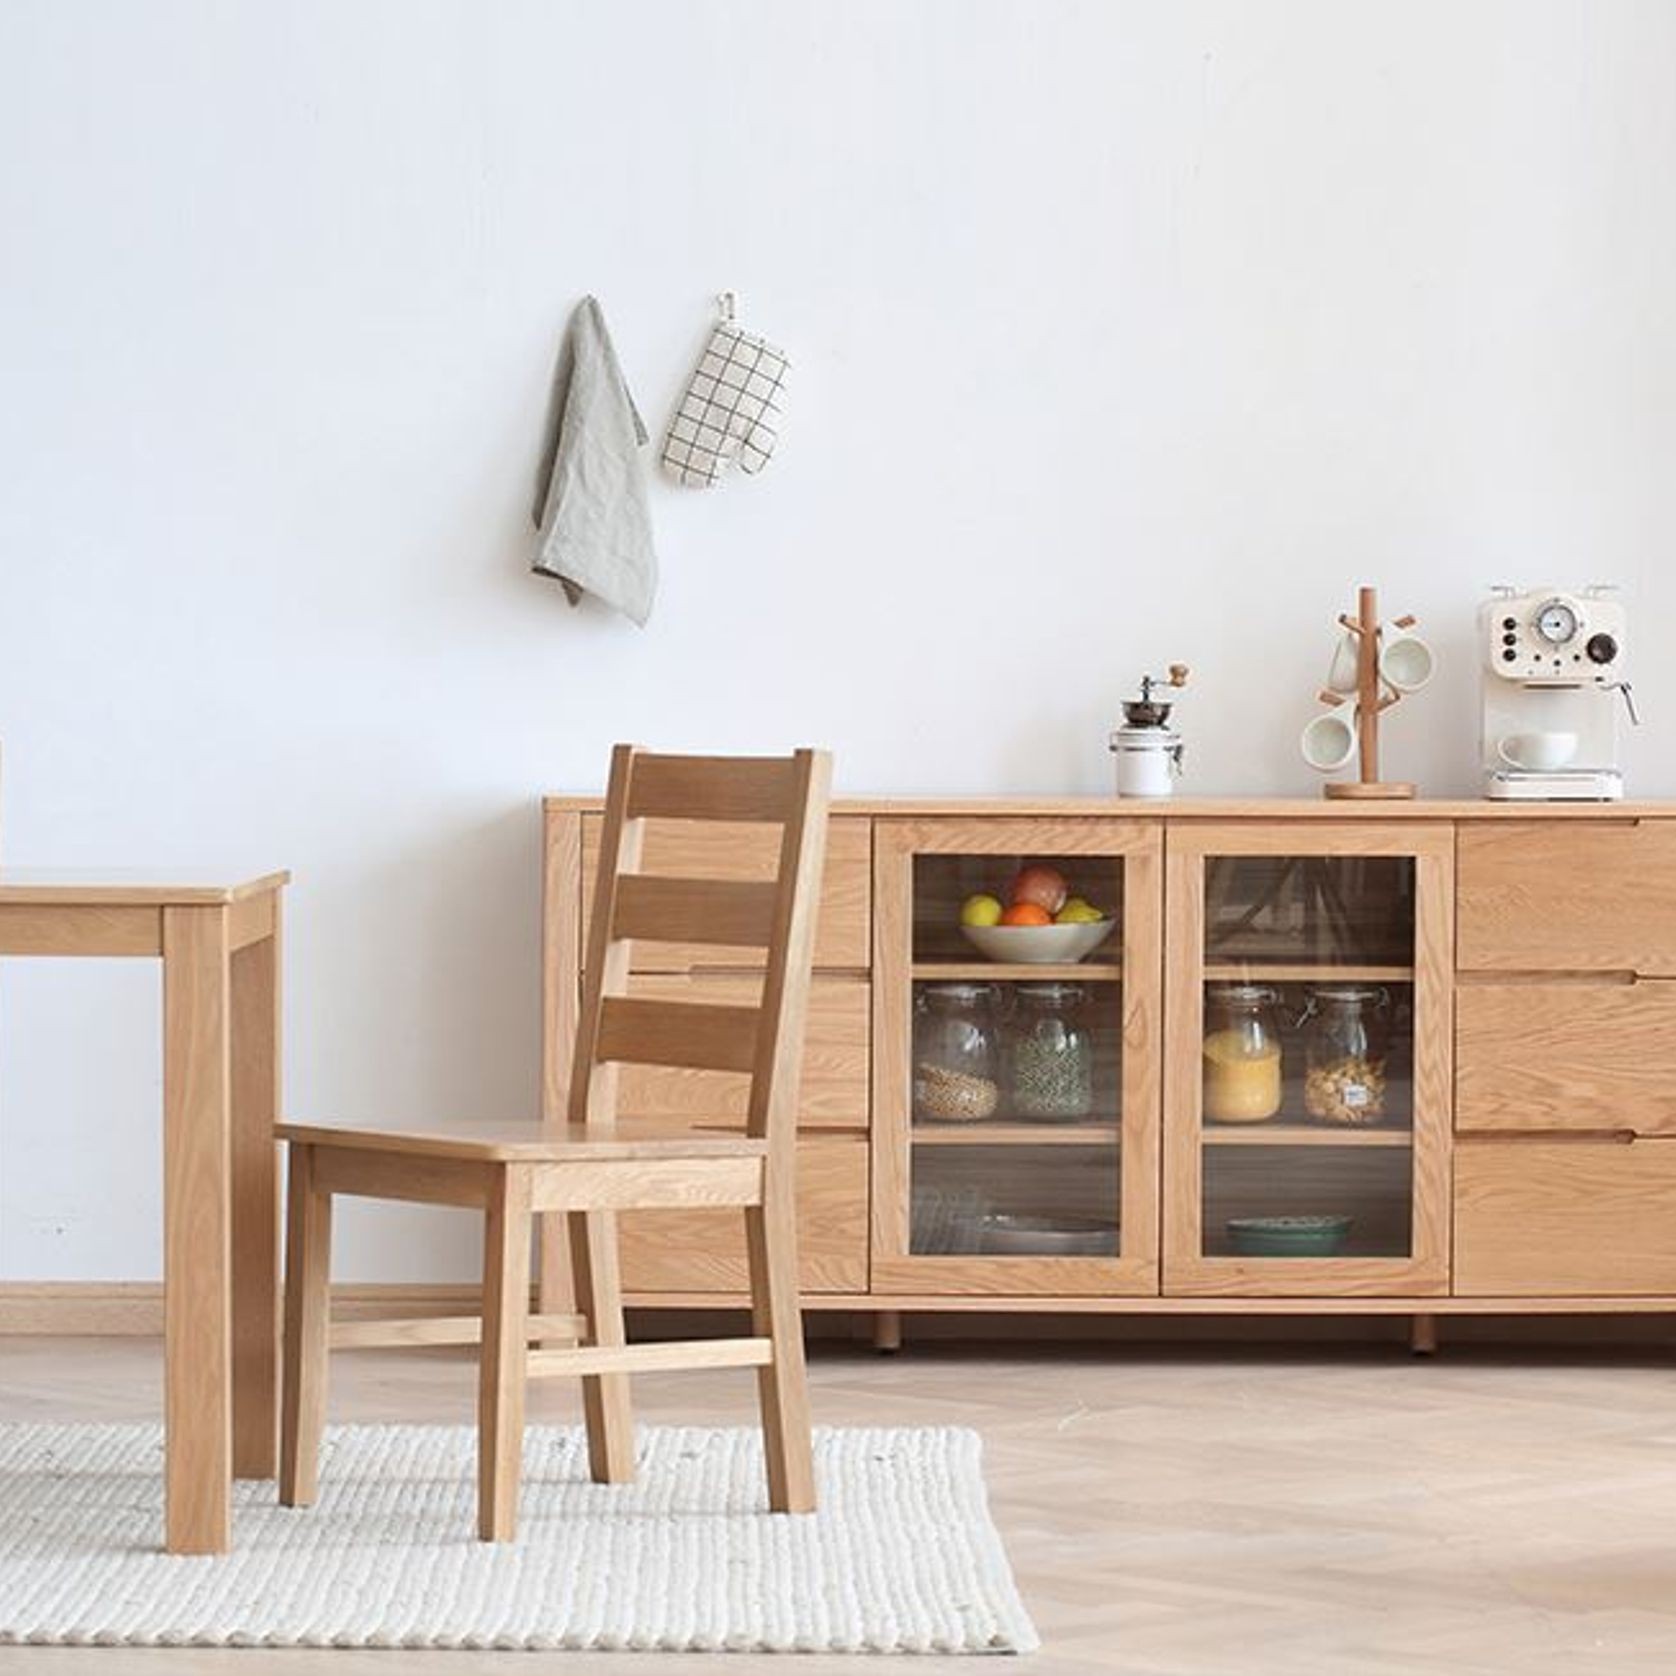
[(1425, 1271), (1140, 848)]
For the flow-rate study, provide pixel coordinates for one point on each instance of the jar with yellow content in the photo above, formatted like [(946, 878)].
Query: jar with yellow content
[(1241, 1054)]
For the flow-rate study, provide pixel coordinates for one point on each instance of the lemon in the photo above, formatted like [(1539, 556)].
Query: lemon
[(980, 910)]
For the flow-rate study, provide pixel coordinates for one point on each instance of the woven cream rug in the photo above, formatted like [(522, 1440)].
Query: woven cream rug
[(901, 1558)]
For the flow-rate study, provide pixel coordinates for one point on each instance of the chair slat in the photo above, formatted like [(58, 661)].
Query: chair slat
[(732, 913), (397, 1332), (675, 1357), (713, 788), (638, 1031)]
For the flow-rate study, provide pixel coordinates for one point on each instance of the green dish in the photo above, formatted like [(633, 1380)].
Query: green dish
[(1288, 1236)]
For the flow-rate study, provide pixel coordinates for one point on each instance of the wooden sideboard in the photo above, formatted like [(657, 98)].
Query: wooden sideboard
[(1515, 964)]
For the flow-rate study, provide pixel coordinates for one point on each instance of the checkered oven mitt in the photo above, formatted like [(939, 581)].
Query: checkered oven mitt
[(730, 410)]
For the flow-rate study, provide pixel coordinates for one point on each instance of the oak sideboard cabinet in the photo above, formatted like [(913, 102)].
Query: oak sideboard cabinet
[(1414, 1058)]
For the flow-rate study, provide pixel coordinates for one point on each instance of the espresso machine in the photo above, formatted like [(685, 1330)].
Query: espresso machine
[(1553, 682)]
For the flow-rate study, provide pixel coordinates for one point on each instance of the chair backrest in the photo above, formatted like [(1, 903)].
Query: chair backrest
[(775, 915)]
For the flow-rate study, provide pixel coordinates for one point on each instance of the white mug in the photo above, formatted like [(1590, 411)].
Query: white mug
[(1406, 662), (1341, 672), (1328, 742), (1537, 753)]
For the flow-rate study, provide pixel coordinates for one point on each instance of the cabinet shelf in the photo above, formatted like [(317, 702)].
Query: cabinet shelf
[(996, 971), (1014, 1134), (1301, 1134), (1263, 971)]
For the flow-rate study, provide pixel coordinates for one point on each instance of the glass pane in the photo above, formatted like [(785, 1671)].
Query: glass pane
[(1307, 1057), (1016, 1056), (1321, 1053), (1307, 1201), (1015, 1201), (1081, 894), (1322, 910)]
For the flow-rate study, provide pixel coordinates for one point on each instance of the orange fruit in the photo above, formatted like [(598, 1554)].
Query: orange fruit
[(1026, 913)]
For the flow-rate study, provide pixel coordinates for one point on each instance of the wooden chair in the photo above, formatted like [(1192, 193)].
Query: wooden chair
[(595, 1167)]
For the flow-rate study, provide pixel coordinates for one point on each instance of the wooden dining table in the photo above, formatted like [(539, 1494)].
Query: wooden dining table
[(219, 944)]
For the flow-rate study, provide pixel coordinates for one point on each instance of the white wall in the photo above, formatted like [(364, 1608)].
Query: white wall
[(1122, 333)]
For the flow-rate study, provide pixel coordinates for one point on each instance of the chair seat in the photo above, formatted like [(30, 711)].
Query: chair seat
[(529, 1142)]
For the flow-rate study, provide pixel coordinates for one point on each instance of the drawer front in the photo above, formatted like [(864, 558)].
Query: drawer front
[(1567, 896), (704, 1250), (726, 850), (1579, 1056), (1565, 1218), (833, 1089)]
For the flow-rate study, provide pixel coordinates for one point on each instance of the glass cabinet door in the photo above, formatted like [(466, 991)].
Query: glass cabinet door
[(1307, 1080), (1016, 1056)]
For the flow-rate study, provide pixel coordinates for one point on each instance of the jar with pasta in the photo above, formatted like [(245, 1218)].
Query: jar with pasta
[(1242, 1055), (956, 1075), (1346, 1038)]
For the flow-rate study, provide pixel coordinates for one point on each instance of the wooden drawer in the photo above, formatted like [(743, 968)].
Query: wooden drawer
[(725, 850), (833, 1090), (1565, 1218), (704, 1250), (1567, 896), (1579, 1056)]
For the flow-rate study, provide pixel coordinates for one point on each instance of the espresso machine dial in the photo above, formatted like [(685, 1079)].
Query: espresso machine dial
[(1556, 622)]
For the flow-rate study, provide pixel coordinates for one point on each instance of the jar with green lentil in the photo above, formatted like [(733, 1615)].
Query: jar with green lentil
[(1050, 1054)]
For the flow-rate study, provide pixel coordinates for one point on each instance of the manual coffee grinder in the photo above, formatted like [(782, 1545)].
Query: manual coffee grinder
[(1148, 750), (1552, 681)]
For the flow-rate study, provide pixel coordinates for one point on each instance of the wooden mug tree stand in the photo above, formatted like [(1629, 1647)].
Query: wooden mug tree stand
[(1374, 696)]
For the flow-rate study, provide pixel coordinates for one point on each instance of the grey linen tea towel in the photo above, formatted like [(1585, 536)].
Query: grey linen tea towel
[(590, 493)]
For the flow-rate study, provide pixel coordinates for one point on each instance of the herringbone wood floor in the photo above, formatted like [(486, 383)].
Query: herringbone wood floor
[(1181, 1512)]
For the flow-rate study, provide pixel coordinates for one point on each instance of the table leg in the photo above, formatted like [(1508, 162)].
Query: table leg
[(197, 1302), (255, 1196)]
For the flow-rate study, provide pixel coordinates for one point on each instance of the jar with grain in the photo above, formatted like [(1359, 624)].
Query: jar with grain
[(956, 1059), (1050, 1057), (1242, 1057), (1346, 1047)]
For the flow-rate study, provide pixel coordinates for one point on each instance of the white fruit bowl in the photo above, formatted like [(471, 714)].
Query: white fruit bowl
[(1038, 945)]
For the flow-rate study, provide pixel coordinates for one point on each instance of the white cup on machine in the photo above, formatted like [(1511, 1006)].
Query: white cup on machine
[(1328, 742), (1537, 753)]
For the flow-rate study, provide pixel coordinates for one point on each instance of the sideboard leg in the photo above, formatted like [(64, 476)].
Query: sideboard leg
[(887, 1331), (1422, 1335)]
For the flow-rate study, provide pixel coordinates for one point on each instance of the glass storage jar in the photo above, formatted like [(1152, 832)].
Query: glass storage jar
[(956, 1062), (1242, 1060), (1346, 1045), (1050, 1054)]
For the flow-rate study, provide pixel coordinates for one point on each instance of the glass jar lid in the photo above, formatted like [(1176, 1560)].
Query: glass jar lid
[(1051, 994), (1244, 994), (1347, 994), (966, 993)]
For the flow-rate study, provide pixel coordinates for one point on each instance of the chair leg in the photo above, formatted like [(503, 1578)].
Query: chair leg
[(308, 1263), (503, 1365), (599, 1296), (782, 1386)]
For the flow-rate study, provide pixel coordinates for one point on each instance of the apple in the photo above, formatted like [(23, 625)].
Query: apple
[(1041, 885)]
